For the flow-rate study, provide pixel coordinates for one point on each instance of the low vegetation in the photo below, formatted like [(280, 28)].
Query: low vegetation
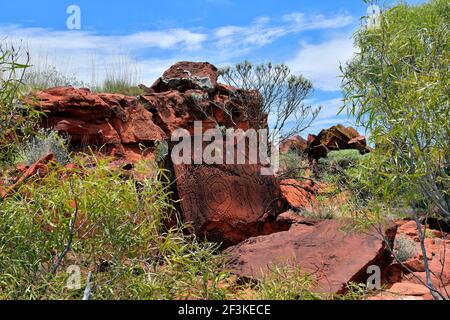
[(17, 120), (42, 143), (119, 86), (103, 224), (287, 283), (48, 76), (405, 248)]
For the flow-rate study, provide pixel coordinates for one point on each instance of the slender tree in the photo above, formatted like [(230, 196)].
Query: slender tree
[(397, 86), (281, 96)]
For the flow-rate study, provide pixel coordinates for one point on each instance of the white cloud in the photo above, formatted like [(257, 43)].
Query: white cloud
[(261, 33), (256, 35), (329, 116), (54, 39), (320, 62), (90, 57), (300, 22), (166, 39)]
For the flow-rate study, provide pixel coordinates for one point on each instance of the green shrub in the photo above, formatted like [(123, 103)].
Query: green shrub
[(322, 213), (396, 86), (44, 142), (344, 158), (337, 161), (17, 120), (116, 229), (293, 165), (357, 291)]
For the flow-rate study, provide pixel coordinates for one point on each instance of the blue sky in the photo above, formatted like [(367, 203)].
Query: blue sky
[(143, 38)]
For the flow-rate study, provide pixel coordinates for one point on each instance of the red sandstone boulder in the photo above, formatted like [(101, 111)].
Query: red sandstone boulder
[(185, 75), (408, 289), (438, 254), (336, 138), (174, 109), (300, 195), (410, 275), (39, 169), (324, 250), (189, 92), (226, 203), (295, 144), (115, 122)]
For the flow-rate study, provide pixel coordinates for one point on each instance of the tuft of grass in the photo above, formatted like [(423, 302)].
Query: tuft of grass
[(357, 291), (121, 76), (323, 213), (45, 77), (44, 142), (286, 283), (405, 248), (17, 120), (119, 86)]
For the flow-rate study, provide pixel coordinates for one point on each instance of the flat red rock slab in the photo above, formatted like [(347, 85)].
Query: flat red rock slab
[(333, 256)]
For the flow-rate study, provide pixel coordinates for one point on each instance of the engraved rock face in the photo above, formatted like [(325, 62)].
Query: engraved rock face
[(228, 203)]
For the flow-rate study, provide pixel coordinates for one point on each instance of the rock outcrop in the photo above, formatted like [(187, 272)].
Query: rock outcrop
[(336, 138), (227, 202), (120, 125), (295, 144), (233, 204), (224, 203), (301, 195), (116, 123), (189, 92), (322, 249), (184, 76)]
